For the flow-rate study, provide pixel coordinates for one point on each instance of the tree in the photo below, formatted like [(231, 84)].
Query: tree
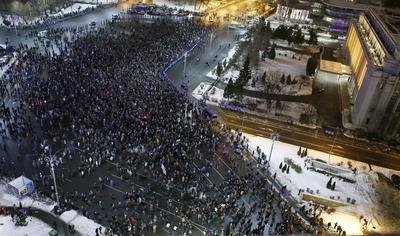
[(312, 64), (244, 75), (305, 152), (219, 69), (229, 89), (287, 170), (283, 79), (268, 28), (289, 79), (328, 185), (298, 37), (299, 152), (272, 53), (254, 54), (284, 168), (280, 165), (313, 39), (333, 186)]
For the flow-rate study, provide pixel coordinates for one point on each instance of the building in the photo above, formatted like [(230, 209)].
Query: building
[(338, 13), (295, 11), (373, 53)]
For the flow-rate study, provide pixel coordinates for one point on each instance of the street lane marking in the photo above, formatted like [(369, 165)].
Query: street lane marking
[(197, 225)]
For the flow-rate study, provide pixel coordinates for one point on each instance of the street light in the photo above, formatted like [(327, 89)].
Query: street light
[(51, 159), (211, 39), (274, 137), (184, 64)]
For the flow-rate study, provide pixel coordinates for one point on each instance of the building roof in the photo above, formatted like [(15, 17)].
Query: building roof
[(347, 4), (334, 67)]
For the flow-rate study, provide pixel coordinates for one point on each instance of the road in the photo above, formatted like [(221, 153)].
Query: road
[(313, 139)]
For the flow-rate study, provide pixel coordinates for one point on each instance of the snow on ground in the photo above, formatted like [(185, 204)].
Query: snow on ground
[(74, 8), (35, 227), (82, 224), (7, 199), (98, 1), (362, 191), (283, 111), (176, 4), (230, 74), (287, 62)]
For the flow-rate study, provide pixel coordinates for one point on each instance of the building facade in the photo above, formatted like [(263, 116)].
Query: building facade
[(372, 51)]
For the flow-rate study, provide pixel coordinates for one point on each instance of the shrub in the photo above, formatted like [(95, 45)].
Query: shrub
[(294, 166)]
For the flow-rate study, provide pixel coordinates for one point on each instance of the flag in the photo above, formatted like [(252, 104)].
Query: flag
[(163, 168)]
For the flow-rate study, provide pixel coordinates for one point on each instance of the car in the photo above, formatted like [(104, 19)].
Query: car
[(321, 91), (115, 17), (93, 24)]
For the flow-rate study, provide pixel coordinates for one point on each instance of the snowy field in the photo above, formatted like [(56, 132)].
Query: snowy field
[(6, 199), (82, 224), (314, 183), (18, 21), (35, 227), (286, 63), (283, 111), (98, 1), (176, 4), (74, 8)]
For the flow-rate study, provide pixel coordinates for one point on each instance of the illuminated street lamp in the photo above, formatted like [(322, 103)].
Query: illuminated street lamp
[(274, 137)]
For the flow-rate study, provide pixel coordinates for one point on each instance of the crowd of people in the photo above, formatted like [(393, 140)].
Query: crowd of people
[(101, 99)]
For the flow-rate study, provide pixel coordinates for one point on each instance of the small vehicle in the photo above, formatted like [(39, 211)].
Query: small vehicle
[(210, 114), (115, 17), (92, 24), (321, 91), (329, 131)]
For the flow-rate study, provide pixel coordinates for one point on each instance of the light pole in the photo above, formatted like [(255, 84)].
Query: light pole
[(333, 144), (211, 39), (51, 159), (184, 64), (274, 137)]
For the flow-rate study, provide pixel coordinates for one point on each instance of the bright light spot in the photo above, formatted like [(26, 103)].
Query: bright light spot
[(349, 222)]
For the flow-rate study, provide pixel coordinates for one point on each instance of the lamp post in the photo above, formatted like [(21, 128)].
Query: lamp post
[(333, 144), (211, 39), (184, 64), (52, 160), (274, 137)]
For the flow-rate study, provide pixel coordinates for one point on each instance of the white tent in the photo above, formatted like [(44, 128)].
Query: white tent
[(21, 186)]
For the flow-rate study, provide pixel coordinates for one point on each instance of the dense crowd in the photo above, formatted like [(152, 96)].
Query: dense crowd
[(100, 97)]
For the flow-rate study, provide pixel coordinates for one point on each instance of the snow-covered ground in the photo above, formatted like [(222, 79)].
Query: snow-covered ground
[(82, 224), (74, 8), (285, 63), (98, 1), (362, 191), (176, 4), (16, 20), (35, 227), (7, 199), (283, 111)]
